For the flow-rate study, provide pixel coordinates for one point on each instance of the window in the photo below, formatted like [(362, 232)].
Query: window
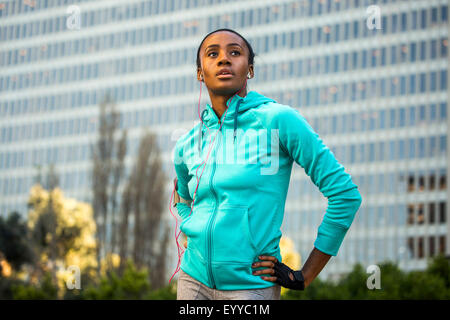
[(412, 83), (442, 212), (421, 145), (442, 145), (401, 149), (422, 82), (444, 10), (423, 18), (394, 82), (431, 246), (327, 64), (394, 23), (402, 117), (404, 22), (412, 116), (364, 59), (372, 157), (434, 16), (394, 54), (443, 111), (412, 148), (346, 30), (383, 87), (423, 50), (433, 81), (443, 80), (412, 52), (433, 51), (432, 145), (414, 18), (402, 85), (355, 30)]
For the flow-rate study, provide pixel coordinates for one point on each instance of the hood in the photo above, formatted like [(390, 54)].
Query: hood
[(236, 106)]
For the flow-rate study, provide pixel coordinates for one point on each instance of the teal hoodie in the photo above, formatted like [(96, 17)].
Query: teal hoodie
[(239, 204)]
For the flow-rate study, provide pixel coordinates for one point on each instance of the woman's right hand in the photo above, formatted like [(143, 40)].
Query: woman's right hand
[(185, 241)]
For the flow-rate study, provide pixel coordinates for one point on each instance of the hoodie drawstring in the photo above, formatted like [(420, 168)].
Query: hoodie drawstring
[(235, 120), (200, 131)]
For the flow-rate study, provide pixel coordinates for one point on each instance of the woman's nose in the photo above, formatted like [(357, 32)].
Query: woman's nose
[(223, 58)]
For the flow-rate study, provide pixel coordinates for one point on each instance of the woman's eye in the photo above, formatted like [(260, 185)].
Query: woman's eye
[(209, 54)]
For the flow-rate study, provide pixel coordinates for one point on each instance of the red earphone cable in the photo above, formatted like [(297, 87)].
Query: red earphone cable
[(180, 249)]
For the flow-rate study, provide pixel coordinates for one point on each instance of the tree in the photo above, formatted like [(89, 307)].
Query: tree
[(143, 198), (395, 284), (15, 244), (440, 266), (140, 234), (45, 290), (51, 181), (104, 172), (118, 173), (133, 284), (63, 231)]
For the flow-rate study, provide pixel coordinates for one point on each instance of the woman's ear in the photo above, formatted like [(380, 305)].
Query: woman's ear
[(250, 73), (200, 75)]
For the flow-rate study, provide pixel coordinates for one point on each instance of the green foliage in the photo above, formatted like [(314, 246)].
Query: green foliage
[(14, 243), (6, 285), (354, 284), (133, 284), (424, 285), (168, 292), (392, 279), (45, 291), (433, 283), (317, 290), (440, 266)]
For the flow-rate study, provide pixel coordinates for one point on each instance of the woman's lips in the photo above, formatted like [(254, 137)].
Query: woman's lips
[(225, 76)]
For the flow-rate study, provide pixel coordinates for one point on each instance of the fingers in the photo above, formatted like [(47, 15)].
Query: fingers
[(185, 243), (265, 271), (268, 258), (269, 264), (268, 261), (271, 279)]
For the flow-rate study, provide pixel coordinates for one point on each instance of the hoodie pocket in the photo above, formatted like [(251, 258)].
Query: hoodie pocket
[(232, 240), (194, 227)]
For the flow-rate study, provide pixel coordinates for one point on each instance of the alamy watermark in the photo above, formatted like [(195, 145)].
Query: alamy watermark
[(73, 21), (374, 280), (249, 147), (74, 281), (373, 20)]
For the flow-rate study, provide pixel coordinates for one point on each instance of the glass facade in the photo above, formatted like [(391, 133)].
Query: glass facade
[(377, 97)]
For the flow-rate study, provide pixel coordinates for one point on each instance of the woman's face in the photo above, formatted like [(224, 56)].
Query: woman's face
[(224, 52)]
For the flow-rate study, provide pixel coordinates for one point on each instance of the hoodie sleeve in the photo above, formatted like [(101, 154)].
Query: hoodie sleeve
[(183, 180), (304, 146)]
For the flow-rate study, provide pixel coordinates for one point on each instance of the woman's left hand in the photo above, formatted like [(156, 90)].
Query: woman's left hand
[(280, 272), (269, 262)]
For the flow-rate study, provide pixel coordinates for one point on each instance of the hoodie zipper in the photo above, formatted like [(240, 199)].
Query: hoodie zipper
[(212, 219)]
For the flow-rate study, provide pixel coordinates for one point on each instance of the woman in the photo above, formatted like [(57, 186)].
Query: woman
[(233, 171)]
